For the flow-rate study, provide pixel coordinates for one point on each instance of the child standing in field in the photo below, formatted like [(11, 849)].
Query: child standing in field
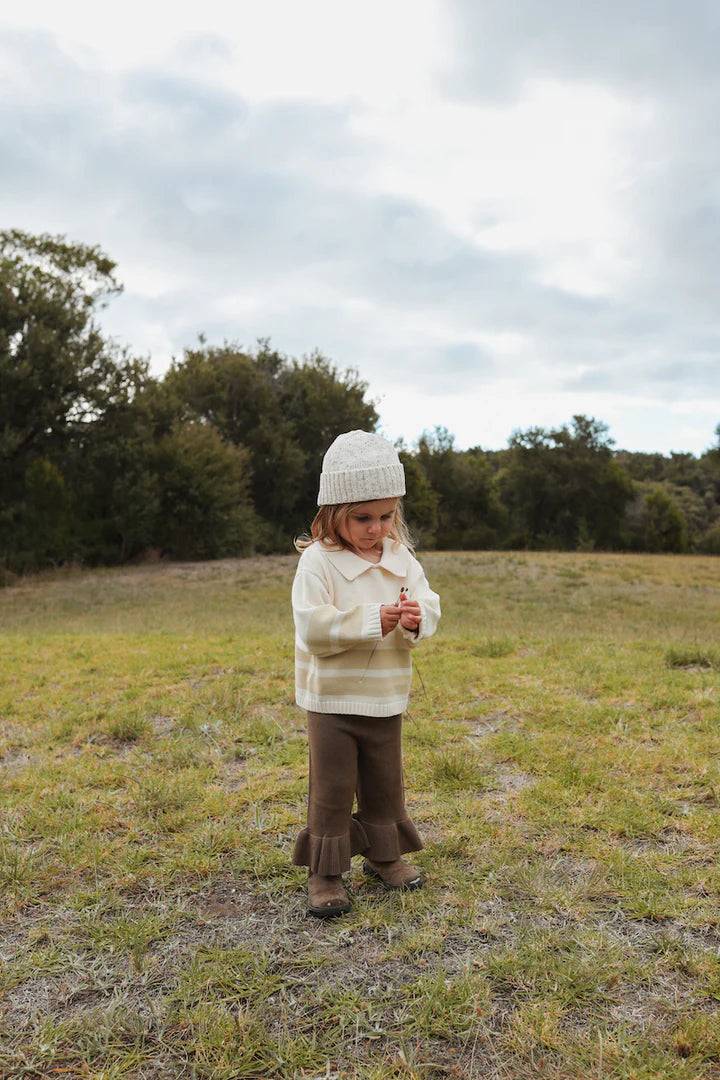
[(361, 602)]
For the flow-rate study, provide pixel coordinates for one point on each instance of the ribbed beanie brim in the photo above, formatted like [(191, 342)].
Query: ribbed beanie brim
[(359, 467)]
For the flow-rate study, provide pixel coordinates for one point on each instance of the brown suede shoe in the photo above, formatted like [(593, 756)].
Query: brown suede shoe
[(396, 874), (327, 896)]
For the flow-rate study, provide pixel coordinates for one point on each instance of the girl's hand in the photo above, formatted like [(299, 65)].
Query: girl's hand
[(410, 616), (389, 617)]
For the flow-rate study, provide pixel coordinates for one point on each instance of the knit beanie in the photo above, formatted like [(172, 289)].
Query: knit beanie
[(359, 467)]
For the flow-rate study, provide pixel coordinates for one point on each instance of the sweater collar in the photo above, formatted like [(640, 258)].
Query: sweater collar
[(351, 566)]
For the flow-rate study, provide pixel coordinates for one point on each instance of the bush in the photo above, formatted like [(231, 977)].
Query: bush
[(206, 511), (709, 542)]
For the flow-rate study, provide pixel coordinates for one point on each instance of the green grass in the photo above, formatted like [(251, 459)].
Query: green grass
[(692, 656), (562, 763)]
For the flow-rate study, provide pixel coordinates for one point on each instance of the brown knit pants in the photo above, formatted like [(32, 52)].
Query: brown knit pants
[(354, 756)]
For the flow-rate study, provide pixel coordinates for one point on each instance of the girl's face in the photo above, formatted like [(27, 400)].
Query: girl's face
[(368, 523)]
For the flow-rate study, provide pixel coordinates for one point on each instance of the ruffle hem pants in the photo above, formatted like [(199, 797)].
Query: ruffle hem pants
[(354, 756)]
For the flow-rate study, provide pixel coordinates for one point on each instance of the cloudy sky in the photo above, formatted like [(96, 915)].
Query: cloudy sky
[(501, 212)]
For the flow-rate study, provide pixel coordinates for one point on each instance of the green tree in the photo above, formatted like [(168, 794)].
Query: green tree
[(420, 502), (285, 413), (204, 488), (56, 370), (562, 487), (468, 512), (237, 393), (57, 373), (43, 519), (114, 474), (655, 521), (321, 403)]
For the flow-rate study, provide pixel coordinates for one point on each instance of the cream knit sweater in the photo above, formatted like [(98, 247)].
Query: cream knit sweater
[(343, 664)]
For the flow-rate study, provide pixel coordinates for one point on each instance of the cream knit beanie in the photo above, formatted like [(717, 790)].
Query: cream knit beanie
[(359, 467)]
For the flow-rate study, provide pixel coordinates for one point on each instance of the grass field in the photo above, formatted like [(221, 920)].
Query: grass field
[(562, 754)]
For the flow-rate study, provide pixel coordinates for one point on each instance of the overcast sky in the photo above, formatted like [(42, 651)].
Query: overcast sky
[(501, 212)]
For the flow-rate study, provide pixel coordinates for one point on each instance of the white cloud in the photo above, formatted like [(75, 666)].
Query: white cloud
[(276, 50), (546, 176), (502, 215)]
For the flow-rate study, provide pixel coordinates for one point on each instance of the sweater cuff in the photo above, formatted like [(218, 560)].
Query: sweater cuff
[(411, 636), (372, 624)]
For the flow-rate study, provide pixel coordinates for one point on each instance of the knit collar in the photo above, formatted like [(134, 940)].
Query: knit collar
[(351, 566)]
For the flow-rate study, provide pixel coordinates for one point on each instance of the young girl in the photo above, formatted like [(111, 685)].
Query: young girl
[(361, 602)]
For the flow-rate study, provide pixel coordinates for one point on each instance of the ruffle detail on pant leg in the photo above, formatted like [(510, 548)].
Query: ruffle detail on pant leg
[(329, 855), (388, 842)]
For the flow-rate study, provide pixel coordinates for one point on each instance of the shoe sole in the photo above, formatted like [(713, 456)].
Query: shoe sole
[(328, 913), (410, 886)]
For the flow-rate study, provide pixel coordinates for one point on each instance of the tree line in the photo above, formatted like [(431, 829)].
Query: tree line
[(101, 462)]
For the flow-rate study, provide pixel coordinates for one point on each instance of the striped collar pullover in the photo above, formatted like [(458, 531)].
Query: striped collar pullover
[(343, 664)]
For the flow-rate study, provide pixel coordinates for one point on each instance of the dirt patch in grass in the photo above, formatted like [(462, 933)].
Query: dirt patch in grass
[(234, 773), (489, 723), (58, 996), (671, 841), (163, 725), (228, 900), (505, 782), (15, 757)]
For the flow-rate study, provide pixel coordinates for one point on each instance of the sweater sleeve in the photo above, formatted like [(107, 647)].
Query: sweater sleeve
[(429, 601), (323, 629)]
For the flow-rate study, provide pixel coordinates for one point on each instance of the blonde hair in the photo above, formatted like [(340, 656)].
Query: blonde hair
[(330, 519)]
